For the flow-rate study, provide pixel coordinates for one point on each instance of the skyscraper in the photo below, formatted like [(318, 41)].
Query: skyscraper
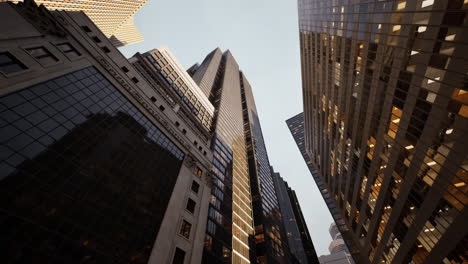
[(239, 147), (113, 17), (339, 253), (296, 126), (385, 105), (230, 223), (297, 233), (97, 164)]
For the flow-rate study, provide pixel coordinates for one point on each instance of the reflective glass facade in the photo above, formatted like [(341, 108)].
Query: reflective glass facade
[(295, 227), (229, 127), (85, 177), (270, 238), (296, 126), (384, 85), (218, 241), (230, 145), (301, 224)]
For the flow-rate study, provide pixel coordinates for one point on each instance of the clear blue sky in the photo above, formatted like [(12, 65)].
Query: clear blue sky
[(263, 37)]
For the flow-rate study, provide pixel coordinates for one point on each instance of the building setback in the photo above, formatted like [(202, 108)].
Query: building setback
[(97, 164), (299, 240), (385, 107), (113, 17)]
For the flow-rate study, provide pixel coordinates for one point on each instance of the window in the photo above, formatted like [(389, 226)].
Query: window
[(153, 99), (42, 55), (198, 171), (185, 229), (195, 142), (125, 69), (86, 29), (177, 124), (106, 49), (191, 205), (195, 187), (179, 256), (226, 252), (69, 50), (184, 131), (96, 39), (208, 242), (9, 64), (161, 108), (135, 80)]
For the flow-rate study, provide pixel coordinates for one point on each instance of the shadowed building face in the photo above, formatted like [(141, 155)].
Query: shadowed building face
[(85, 174)]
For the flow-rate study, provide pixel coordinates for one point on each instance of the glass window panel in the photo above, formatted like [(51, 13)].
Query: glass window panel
[(62, 162)]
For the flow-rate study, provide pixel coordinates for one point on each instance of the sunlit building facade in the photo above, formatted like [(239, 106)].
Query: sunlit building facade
[(113, 17), (385, 106), (244, 222), (161, 68), (230, 227)]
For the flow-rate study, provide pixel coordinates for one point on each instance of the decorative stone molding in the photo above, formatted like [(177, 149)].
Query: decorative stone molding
[(208, 178), (41, 18), (61, 19), (189, 161), (142, 101)]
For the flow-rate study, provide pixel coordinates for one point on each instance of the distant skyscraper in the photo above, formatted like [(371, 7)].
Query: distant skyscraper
[(113, 17), (241, 170), (386, 107), (296, 126), (299, 240), (337, 244), (339, 253)]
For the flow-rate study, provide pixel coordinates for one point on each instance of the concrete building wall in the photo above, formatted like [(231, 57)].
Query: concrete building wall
[(113, 17)]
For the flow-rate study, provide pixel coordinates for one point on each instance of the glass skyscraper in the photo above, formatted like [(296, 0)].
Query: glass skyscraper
[(241, 171), (385, 109), (297, 233), (296, 127), (230, 220)]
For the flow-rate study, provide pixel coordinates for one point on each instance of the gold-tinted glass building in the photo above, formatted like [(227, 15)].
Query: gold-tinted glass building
[(385, 104), (113, 17), (244, 220)]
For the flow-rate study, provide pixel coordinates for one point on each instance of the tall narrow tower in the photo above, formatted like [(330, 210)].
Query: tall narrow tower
[(241, 171)]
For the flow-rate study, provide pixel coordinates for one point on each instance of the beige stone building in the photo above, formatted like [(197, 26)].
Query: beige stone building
[(113, 17)]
